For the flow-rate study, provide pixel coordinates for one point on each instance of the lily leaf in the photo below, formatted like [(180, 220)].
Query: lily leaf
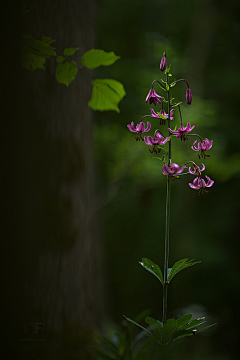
[(179, 266), (140, 326), (152, 268)]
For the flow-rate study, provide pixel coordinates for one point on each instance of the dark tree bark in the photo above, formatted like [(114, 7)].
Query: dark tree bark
[(52, 281)]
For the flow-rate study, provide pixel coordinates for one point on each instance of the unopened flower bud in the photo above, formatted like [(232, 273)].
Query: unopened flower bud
[(163, 63), (189, 96)]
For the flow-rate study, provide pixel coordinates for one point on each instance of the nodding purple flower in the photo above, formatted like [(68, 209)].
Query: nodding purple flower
[(172, 169), (153, 97), (163, 63), (188, 96), (196, 170), (156, 140), (202, 146), (162, 112), (140, 128), (182, 131), (200, 184)]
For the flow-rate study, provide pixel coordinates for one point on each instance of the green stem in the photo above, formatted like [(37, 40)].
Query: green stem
[(167, 226)]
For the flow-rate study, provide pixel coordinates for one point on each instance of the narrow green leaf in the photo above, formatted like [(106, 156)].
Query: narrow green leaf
[(167, 87), (194, 323), (206, 327), (156, 325), (106, 95), (169, 328), (162, 116), (179, 266), (181, 334), (66, 72), (61, 58), (152, 268), (96, 57), (172, 84), (70, 51), (140, 326), (184, 319)]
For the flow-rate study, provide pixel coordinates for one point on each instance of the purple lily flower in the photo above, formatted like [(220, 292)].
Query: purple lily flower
[(199, 183), (182, 131), (140, 128), (163, 63), (196, 170), (172, 169), (153, 97), (162, 112), (202, 146), (156, 140)]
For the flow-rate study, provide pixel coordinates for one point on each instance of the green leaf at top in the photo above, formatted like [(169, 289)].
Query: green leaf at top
[(34, 52), (152, 268), (60, 58), (70, 51), (47, 40), (66, 72), (179, 266), (106, 95), (96, 57)]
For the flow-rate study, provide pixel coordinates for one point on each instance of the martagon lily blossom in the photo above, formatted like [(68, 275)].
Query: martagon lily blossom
[(156, 140), (196, 170), (153, 97), (199, 183), (182, 131), (140, 128), (172, 169), (162, 112), (202, 146)]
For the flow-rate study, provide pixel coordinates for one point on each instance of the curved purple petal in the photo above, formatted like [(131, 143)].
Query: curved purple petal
[(207, 144), (148, 126), (203, 167), (166, 170), (194, 147), (149, 140), (154, 114), (188, 127), (173, 131), (131, 127), (209, 181)]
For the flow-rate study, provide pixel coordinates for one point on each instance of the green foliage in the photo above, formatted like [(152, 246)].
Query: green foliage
[(179, 266), (152, 268), (70, 51), (96, 57), (66, 72), (173, 329), (35, 52), (106, 94)]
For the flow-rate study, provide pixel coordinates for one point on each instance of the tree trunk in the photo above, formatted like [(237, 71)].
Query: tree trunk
[(53, 276)]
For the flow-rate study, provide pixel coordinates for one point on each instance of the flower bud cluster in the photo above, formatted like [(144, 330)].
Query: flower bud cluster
[(172, 169)]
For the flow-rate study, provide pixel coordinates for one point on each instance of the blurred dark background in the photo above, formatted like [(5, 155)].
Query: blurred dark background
[(83, 202)]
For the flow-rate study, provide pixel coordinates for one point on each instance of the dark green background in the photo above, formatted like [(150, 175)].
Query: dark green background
[(201, 42)]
